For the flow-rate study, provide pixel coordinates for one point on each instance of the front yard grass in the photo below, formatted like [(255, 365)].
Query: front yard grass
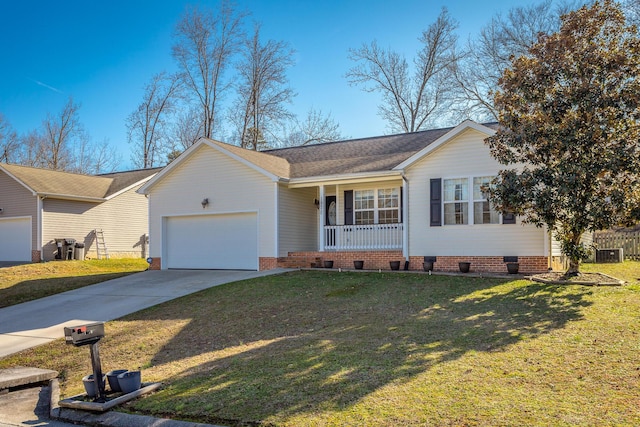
[(326, 348), (32, 281)]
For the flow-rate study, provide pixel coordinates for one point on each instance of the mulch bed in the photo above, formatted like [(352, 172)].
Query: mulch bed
[(590, 279)]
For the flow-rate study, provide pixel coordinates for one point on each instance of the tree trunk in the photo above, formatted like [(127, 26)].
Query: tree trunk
[(574, 267), (574, 258)]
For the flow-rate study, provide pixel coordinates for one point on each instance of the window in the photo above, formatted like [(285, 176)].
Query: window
[(456, 201), (388, 204), (460, 202), (364, 207), (380, 206), (482, 211)]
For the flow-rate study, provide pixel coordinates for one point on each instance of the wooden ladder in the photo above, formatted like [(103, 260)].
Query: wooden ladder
[(101, 246)]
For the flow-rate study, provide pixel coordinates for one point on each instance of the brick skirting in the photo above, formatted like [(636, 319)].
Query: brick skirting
[(156, 263), (374, 260)]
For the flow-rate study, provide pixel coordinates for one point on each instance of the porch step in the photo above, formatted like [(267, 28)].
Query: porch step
[(299, 262)]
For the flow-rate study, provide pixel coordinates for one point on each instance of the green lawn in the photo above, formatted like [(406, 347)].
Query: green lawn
[(32, 281), (333, 349)]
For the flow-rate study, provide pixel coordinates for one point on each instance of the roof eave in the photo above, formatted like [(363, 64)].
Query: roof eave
[(72, 197), (313, 181)]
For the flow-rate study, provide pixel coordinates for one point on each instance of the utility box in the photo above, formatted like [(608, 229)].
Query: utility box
[(609, 255)]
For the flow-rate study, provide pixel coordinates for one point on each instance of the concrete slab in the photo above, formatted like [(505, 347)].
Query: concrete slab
[(20, 375), (28, 407)]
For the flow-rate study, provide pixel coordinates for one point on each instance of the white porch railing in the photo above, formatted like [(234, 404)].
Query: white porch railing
[(363, 237)]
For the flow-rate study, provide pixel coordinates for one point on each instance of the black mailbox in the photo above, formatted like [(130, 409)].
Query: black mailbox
[(84, 334)]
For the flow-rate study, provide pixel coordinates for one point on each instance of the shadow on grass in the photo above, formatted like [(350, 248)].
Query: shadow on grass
[(29, 290), (311, 343)]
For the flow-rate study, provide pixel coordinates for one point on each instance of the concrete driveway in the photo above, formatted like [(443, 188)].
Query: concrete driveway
[(38, 322)]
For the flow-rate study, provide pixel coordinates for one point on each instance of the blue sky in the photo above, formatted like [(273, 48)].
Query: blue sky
[(103, 54)]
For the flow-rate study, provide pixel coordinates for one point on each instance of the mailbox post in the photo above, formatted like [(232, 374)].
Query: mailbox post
[(89, 334)]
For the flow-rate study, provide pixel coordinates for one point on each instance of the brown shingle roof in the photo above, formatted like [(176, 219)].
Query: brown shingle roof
[(273, 164), (57, 183), (376, 154)]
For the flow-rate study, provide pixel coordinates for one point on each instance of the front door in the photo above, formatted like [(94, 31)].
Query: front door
[(330, 219)]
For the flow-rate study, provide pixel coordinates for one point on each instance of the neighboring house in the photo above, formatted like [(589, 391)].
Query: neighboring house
[(39, 206), (399, 197)]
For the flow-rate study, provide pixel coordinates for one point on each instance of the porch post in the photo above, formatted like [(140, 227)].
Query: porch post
[(405, 218), (321, 219)]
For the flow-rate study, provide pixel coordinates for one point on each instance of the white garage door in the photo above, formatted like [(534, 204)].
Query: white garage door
[(15, 235), (225, 242)]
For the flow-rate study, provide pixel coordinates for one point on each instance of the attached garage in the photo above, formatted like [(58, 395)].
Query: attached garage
[(15, 238), (216, 242)]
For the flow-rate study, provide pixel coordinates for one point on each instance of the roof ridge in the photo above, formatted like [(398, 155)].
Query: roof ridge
[(393, 135)]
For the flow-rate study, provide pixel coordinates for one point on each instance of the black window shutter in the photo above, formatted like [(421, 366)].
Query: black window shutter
[(401, 207), (508, 218), (348, 207), (435, 199)]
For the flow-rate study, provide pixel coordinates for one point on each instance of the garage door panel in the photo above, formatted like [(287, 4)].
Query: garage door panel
[(15, 235), (212, 242)]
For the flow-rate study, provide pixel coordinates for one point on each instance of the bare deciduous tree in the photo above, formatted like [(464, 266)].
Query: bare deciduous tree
[(205, 44), (263, 89), (486, 57), (187, 129), (30, 149), (148, 124), (409, 102), (316, 128), (8, 142), (60, 133), (90, 158)]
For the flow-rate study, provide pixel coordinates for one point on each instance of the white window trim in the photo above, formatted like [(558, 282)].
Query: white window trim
[(376, 209), (470, 202)]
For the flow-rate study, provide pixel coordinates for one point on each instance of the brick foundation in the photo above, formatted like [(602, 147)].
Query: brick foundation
[(35, 256), (266, 263), (374, 260), (156, 263), (483, 264)]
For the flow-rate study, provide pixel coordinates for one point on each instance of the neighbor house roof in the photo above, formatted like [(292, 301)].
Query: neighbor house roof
[(58, 184)]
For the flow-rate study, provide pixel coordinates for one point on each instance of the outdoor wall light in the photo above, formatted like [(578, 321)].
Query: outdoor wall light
[(204, 203), (317, 203)]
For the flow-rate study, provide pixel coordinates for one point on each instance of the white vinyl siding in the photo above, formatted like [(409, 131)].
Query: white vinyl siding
[(230, 186), (466, 155), (297, 220), (123, 219)]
